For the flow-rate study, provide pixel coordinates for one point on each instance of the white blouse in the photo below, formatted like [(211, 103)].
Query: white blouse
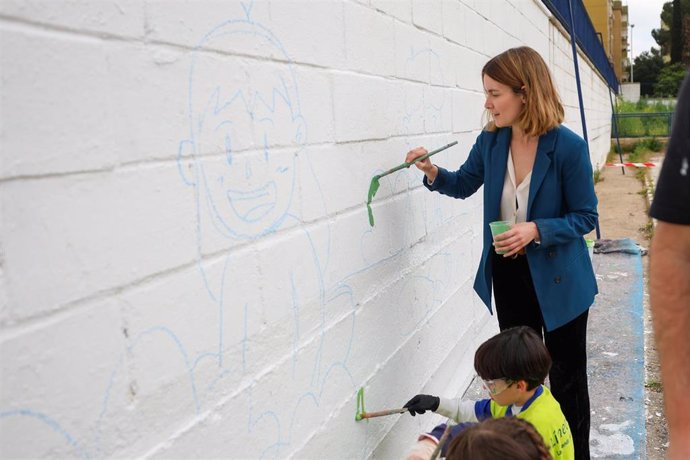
[(514, 199)]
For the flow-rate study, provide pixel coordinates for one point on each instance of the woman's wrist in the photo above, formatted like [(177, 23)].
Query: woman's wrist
[(537, 238), (431, 174)]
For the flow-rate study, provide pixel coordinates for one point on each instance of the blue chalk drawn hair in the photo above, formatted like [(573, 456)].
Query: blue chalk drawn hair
[(246, 129)]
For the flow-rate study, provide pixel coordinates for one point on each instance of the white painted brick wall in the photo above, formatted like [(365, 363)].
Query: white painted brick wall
[(186, 266), (45, 67)]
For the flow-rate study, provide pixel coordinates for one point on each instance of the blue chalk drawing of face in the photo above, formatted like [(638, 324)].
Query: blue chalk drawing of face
[(246, 129)]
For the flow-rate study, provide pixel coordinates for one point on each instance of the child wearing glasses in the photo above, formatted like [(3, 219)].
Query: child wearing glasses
[(512, 365)]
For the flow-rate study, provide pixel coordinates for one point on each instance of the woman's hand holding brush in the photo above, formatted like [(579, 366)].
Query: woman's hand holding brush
[(429, 169)]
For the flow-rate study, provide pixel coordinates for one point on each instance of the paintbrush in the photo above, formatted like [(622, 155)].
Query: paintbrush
[(374, 186), (381, 413), (361, 413), (441, 442)]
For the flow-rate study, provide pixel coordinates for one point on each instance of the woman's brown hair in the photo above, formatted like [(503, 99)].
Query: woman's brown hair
[(524, 70), (505, 438)]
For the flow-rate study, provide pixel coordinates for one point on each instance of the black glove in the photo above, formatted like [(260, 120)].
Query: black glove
[(422, 403)]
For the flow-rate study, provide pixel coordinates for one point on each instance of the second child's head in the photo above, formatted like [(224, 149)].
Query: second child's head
[(505, 438), (515, 357)]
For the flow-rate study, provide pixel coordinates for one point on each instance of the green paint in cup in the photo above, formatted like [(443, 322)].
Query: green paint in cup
[(590, 247), (498, 227)]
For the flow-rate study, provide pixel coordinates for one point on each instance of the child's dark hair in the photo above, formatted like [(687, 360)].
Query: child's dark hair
[(504, 438), (515, 354)]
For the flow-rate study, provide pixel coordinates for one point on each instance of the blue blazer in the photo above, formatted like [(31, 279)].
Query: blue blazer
[(561, 202)]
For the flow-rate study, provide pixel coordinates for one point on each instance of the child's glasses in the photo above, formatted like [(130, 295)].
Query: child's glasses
[(497, 386)]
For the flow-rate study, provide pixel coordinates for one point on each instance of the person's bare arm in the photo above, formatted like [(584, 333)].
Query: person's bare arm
[(670, 300)]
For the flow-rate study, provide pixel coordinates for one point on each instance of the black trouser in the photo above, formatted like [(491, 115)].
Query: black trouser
[(517, 305)]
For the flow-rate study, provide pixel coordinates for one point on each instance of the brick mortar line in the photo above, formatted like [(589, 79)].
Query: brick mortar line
[(134, 164), (66, 309), (20, 23)]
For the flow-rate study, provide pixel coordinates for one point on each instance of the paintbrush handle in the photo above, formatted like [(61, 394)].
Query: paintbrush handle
[(441, 442), (383, 413), (422, 158), (433, 152)]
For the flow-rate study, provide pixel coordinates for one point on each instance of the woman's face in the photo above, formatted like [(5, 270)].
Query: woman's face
[(503, 104)]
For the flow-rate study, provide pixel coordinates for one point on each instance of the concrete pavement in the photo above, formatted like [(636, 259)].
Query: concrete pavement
[(615, 359)]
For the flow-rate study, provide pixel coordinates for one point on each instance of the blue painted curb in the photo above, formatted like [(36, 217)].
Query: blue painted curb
[(616, 358)]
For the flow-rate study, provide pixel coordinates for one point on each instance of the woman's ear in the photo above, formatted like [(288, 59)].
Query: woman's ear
[(523, 94)]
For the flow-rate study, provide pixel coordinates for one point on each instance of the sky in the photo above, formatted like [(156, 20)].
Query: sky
[(645, 15)]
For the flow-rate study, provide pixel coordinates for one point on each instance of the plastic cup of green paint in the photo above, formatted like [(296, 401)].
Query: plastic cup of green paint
[(498, 227), (590, 247)]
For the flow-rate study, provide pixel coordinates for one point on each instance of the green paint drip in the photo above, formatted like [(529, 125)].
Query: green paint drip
[(360, 405), (373, 188)]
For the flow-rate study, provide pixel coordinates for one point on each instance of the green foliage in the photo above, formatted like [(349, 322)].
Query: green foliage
[(668, 33), (597, 176), (639, 154), (651, 144), (643, 105), (642, 149), (648, 229), (655, 386), (662, 35), (669, 81), (626, 106), (647, 67), (639, 126), (657, 125)]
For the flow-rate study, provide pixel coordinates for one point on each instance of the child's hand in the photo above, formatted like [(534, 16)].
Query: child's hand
[(422, 403), (422, 450)]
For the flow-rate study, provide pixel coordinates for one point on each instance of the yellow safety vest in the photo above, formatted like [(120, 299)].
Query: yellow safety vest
[(545, 414)]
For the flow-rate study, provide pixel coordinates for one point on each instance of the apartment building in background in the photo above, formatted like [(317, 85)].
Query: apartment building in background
[(610, 20)]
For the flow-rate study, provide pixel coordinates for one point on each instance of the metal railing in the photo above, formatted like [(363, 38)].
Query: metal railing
[(585, 35), (643, 124)]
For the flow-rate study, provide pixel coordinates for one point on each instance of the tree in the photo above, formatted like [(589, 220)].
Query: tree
[(670, 78), (677, 33), (648, 65), (664, 35)]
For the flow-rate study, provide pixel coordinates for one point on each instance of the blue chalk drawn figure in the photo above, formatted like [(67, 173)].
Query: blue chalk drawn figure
[(264, 345), (242, 159), (27, 419)]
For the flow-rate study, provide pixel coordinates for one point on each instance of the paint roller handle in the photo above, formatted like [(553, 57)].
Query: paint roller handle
[(441, 442), (383, 413)]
